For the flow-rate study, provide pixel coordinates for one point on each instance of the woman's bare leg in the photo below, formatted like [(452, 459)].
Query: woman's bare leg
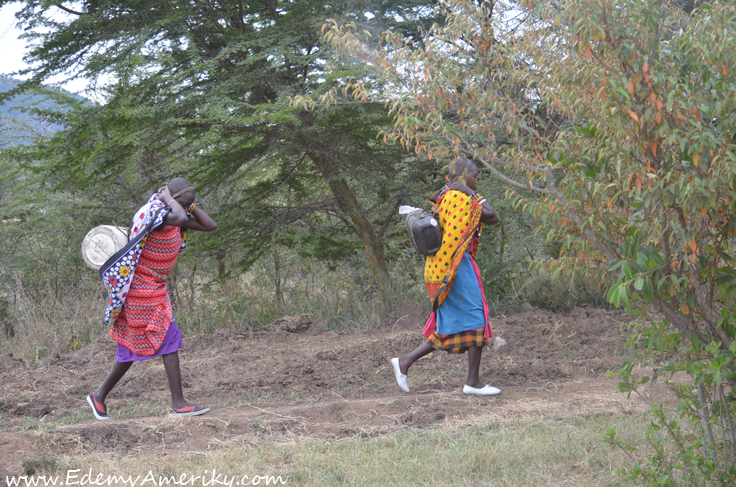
[(474, 354), (113, 377), (173, 373), (407, 360)]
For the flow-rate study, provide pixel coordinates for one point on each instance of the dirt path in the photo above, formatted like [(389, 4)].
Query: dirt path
[(277, 385)]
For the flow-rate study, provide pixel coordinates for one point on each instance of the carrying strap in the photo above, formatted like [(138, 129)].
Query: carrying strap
[(182, 191), (445, 281)]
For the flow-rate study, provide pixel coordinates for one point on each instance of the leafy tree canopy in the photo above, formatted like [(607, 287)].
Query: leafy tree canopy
[(204, 89)]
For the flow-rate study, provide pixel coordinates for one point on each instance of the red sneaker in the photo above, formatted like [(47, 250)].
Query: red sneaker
[(188, 410), (98, 408)]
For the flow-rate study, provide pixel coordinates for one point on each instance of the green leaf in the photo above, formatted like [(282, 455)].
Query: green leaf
[(648, 291), (639, 283), (625, 298), (613, 292), (616, 264)]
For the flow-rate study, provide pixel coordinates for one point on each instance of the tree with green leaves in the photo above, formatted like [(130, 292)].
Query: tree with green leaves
[(204, 89), (621, 116)]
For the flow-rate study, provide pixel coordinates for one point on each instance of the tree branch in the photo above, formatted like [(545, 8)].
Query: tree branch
[(706, 311), (679, 321), (68, 10), (588, 232), (512, 182)]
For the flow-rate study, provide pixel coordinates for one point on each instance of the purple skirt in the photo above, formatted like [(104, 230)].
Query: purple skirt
[(171, 344)]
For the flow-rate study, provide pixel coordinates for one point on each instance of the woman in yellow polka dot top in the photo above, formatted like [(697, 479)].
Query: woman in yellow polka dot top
[(459, 321)]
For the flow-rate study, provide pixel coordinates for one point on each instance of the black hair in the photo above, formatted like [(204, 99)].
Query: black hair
[(459, 167)]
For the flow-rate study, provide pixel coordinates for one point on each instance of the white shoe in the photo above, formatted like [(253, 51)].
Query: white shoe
[(400, 378), (483, 391)]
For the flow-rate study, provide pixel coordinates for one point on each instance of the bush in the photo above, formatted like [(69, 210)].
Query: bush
[(562, 295)]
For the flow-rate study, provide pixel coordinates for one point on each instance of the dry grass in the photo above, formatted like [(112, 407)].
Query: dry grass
[(51, 320), (546, 452), (341, 298)]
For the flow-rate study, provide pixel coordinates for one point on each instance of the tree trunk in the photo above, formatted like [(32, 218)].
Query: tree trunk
[(348, 204), (277, 277)]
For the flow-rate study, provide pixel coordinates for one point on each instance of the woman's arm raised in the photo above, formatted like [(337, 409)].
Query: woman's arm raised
[(489, 216), (177, 217), (199, 220)]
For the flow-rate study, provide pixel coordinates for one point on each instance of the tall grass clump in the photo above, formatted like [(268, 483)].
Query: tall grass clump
[(339, 296), (39, 321)]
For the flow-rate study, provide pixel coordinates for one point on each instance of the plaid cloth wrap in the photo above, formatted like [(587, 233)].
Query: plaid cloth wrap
[(117, 273), (458, 342)]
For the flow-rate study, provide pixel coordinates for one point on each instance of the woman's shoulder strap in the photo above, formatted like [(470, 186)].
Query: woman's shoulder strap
[(436, 198)]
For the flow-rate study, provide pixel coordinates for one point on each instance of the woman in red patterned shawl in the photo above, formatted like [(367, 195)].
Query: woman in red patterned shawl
[(459, 321), (139, 307)]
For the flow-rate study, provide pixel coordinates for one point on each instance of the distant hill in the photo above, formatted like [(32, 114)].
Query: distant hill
[(18, 127)]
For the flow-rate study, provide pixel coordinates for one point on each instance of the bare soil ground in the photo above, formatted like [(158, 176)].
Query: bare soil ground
[(277, 385)]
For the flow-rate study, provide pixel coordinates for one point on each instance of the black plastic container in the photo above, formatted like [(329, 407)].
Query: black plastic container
[(424, 231)]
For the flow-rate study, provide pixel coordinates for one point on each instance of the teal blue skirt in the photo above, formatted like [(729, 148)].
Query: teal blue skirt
[(463, 308)]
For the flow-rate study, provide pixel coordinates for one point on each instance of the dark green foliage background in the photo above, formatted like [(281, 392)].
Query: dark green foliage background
[(299, 197)]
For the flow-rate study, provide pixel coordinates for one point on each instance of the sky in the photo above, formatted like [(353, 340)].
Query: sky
[(13, 49)]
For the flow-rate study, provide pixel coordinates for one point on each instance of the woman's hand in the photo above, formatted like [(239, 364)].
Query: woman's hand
[(201, 221), (177, 215), (198, 219), (164, 194), (458, 186)]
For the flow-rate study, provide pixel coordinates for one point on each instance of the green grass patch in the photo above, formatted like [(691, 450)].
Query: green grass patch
[(421, 379), (129, 411), (139, 410), (546, 452), (461, 372)]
